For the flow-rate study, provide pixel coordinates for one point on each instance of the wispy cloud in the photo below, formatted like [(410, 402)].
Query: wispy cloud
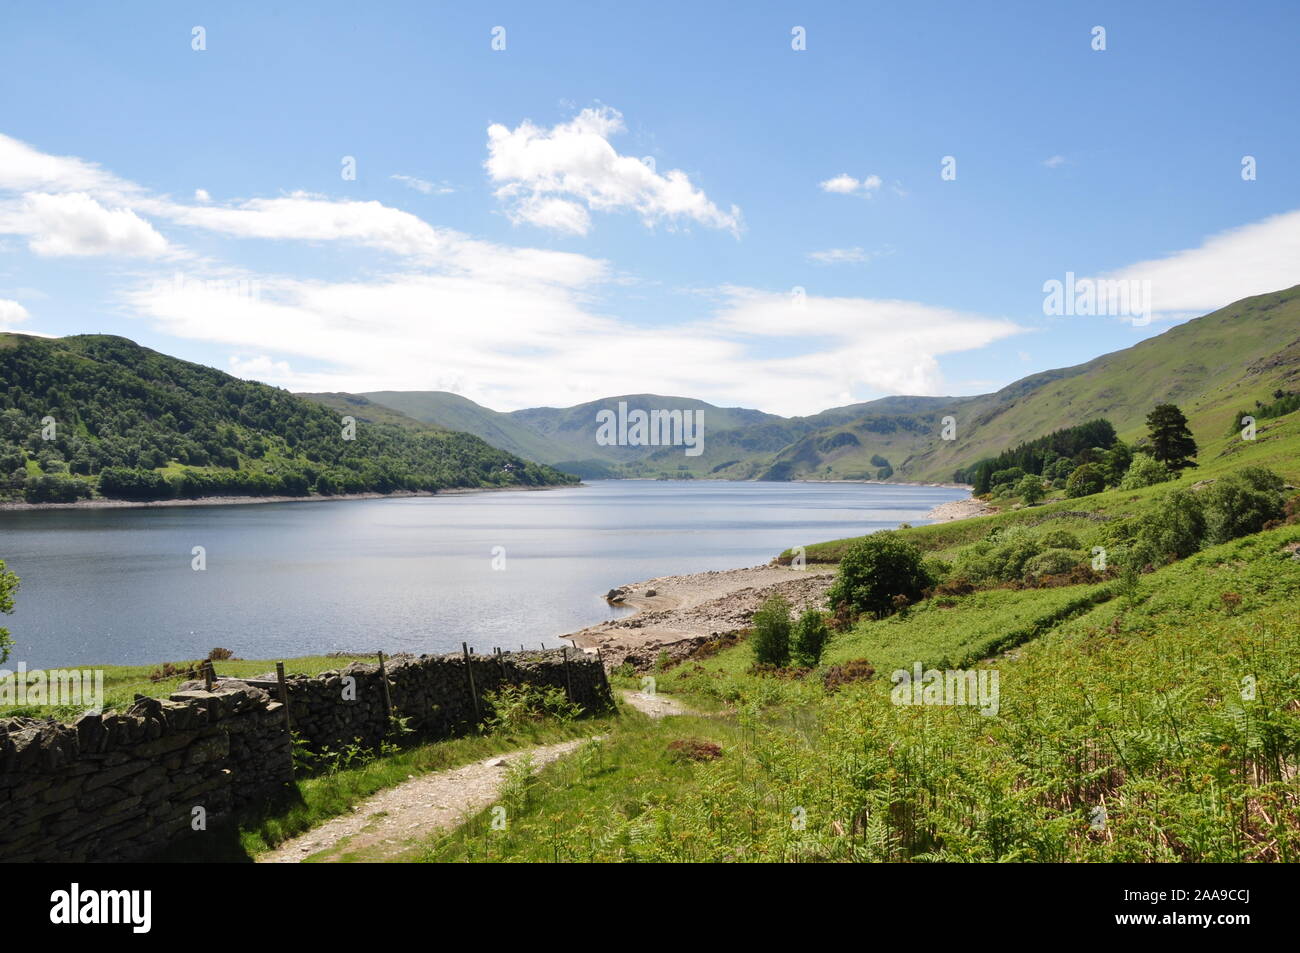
[(840, 256), (1248, 260), (845, 184), (423, 186), (1055, 162)]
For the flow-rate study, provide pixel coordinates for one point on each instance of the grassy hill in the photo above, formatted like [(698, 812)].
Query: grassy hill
[(444, 409), (97, 414)]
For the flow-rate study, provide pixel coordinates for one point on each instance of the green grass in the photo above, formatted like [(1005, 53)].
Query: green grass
[(565, 813)]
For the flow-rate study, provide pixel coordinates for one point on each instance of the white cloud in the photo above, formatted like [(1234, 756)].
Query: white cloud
[(74, 223), (840, 256), (845, 184), (1055, 162), (201, 195), (1248, 260), (509, 346), (423, 186), (23, 168), (261, 368), (11, 313), (552, 177)]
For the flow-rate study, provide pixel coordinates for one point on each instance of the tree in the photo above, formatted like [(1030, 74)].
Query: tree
[(877, 568), (1171, 441), (1241, 503), (810, 637), (771, 632), (1085, 481), (1174, 528), (1116, 462), (1145, 470), (8, 585), (1030, 489)]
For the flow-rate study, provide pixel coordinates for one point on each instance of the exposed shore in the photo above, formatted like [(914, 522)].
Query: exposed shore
[(105, 504), (686, 611)]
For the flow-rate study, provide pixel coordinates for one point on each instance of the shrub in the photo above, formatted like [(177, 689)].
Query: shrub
[(1051, 562), (220, 655), (514, 706), (809, 638), (771, 632), (855, 670), (1059, 539), (1145, 470), (55, 488), (1001, 557), (876, 569), (1085, 481), (1030, 488), (1241, 503), (694, 749), (1174, 527)]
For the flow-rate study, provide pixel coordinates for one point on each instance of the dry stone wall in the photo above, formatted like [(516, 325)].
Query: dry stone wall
[(121, 786)]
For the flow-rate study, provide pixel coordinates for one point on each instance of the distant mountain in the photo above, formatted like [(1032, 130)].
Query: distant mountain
[(444, 409), (555, 435), (97, 413), (1212, 366)]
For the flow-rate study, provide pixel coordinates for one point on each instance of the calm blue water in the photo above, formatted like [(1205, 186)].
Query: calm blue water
[(416, 574)]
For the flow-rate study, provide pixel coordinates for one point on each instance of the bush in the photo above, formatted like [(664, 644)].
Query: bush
[(1241, 503), (1059, 539), (1051, 562), (809, 640), (876, 569), (1145, 470), (1001, 557), (771, 632), (1085, 481), (1173, 529), (55, 488), (1030, 489)]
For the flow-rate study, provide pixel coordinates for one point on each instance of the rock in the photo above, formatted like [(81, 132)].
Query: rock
[(652, 592)]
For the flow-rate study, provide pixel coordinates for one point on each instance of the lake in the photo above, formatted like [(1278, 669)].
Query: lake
[(415, 574)]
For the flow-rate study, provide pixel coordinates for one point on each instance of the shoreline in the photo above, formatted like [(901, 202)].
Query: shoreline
[(676, 614), (107, 504)]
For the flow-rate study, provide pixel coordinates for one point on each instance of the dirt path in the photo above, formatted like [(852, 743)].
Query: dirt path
[(392, 821), (656, 706)]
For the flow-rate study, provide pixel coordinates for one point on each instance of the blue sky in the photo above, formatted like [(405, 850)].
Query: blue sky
[(505, 237)]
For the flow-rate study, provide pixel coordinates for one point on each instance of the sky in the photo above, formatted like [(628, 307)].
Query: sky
[(787, 206)]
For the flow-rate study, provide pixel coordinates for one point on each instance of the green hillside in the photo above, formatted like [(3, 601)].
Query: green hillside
[(1213, 367), (100, 415), (444, 409)]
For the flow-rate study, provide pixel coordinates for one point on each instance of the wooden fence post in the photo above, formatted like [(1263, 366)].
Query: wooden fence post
[(501, 660), (469, 674), (568, 678), (284, 694), (388, 697), (209, 675)]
